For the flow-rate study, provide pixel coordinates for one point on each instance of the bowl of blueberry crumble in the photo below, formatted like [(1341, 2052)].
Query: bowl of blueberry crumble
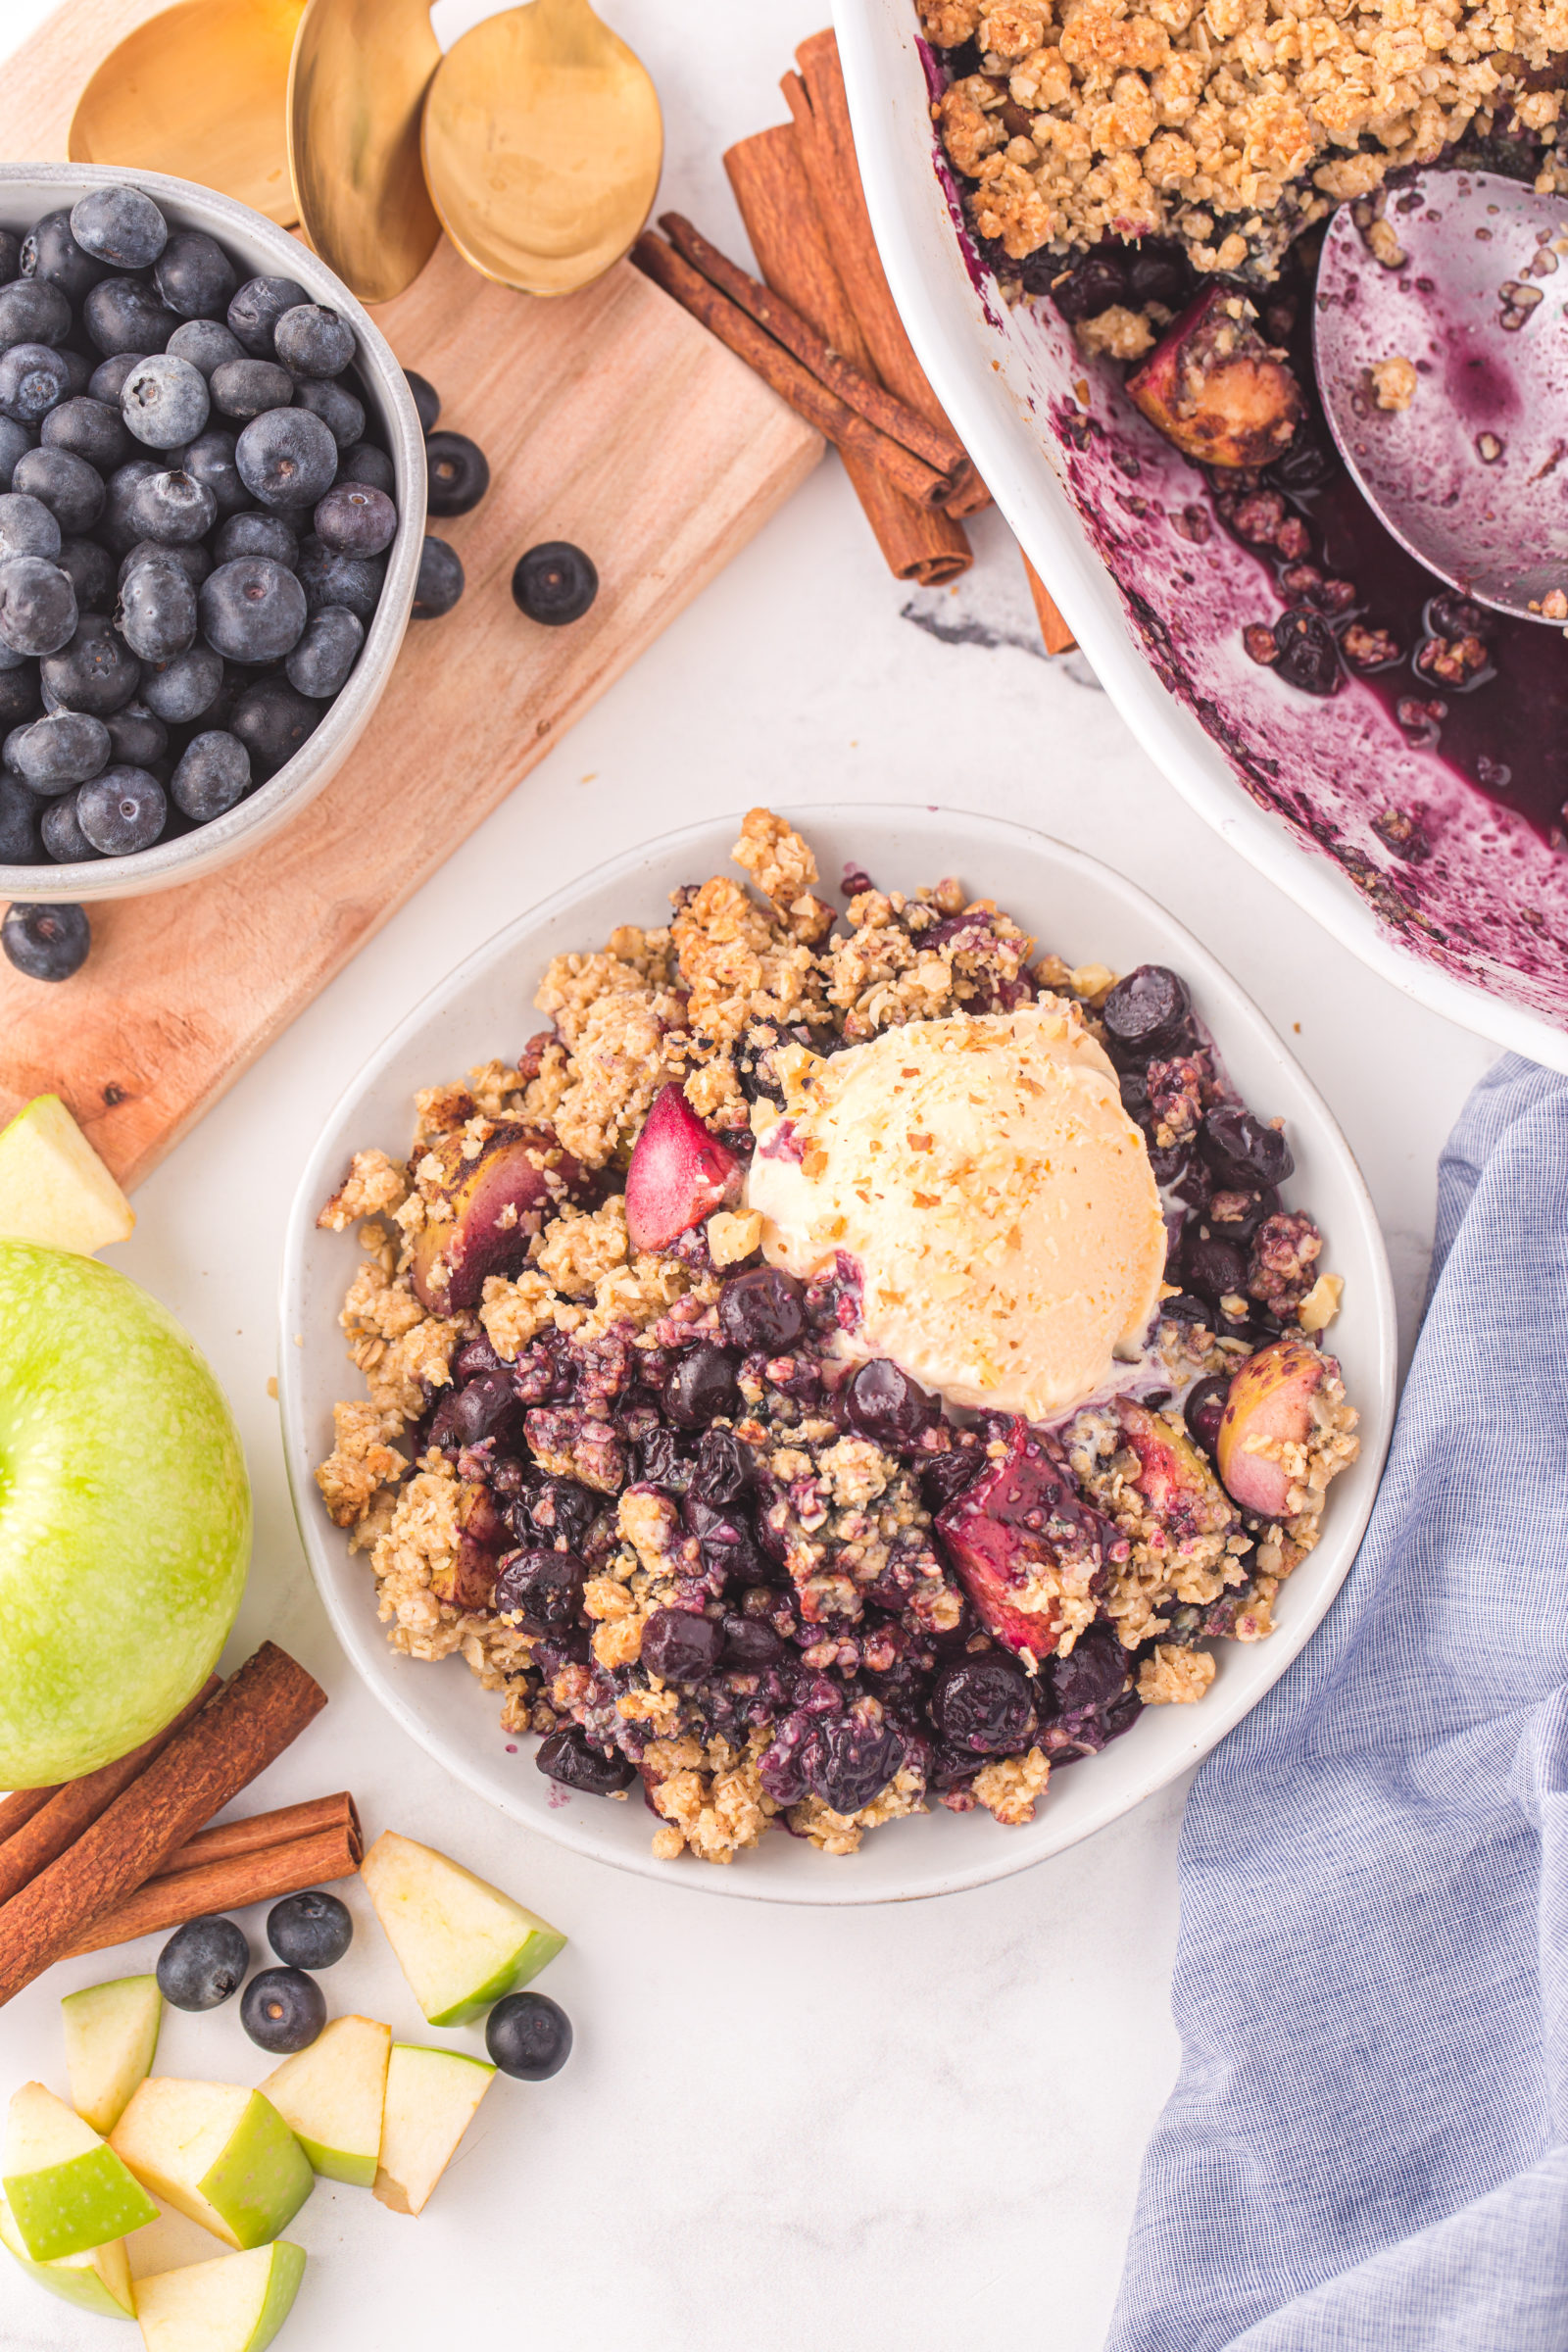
[(857, 1358), (1101, 223)]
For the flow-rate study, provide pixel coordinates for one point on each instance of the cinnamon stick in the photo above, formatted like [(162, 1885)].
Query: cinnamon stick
[(227, 1882), (788, 379), (785, 324), (794, 254), (819, 108), (72, 1809), (21, 1806), (225, 1841), (240, 1732), (1058, 638)]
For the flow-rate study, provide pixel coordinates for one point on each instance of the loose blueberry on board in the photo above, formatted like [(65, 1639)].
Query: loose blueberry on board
[(46, 943), (213, 776), (123, 811), (458, 473), (202, 1964), (440, 582), (283, 2010), (310, 1931), (427, 399), (528, 2036), (120, 226), (553, 583)]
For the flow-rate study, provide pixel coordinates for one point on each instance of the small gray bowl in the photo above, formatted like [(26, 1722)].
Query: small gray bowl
[(257, 246)]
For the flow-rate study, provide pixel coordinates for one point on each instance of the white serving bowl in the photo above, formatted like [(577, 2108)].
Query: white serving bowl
[(1073, 906), (259, 247), (1275, 771)]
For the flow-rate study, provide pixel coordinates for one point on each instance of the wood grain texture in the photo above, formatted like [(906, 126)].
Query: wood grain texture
[(609, 419)]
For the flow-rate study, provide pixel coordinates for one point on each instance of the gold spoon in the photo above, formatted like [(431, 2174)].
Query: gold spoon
[(199, 90), (357, 80), (542, 142)]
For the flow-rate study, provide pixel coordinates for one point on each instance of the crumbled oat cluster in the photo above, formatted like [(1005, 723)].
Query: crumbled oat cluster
[(1230, 125), (644, 1494)]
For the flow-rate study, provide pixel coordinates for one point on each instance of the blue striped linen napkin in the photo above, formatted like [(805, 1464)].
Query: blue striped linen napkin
[(1368, 2146)]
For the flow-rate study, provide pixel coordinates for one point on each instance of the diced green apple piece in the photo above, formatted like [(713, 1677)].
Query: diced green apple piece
[(235, 2304), (331, 2097), (430, 2099), (67, 2188), (54, 1188), (461, 1942), (222, 2155), (110, 2036), (96, 2279)]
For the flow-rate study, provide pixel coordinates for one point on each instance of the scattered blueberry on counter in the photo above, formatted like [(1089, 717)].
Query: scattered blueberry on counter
[(310, 1931), (283, 2011), (555, 583), (528, 2036), (202, 1964)]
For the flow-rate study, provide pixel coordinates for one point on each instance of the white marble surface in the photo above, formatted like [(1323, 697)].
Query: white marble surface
[(904, 2128)]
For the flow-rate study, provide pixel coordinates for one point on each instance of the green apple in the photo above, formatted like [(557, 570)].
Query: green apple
[(111, 2036), (223, 2155), (53, 1186), (459, 1943), (125, 1516), (235, 2304), (331, 2096), (430, 2098), (65, 2187), (97, 2280)]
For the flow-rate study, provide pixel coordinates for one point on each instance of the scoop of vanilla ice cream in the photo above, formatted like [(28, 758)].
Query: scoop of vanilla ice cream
[(996, 1193)]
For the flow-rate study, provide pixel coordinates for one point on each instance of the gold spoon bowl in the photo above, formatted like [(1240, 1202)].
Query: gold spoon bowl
[(356, 87)]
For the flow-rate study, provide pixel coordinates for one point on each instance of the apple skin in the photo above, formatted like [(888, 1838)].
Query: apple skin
[(254, 2180), (98, 2280), (66, 2190), (331, 2096), (111, 2036), (432, 2097), (125, 1516), (237, 2303)]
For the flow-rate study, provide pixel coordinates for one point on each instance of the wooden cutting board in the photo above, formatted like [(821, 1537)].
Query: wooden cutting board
[(611, 420)]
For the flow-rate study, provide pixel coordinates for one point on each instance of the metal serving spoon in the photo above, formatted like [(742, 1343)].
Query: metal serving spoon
[(197, 90), (543, 141), (356, 88), (1471, 477)]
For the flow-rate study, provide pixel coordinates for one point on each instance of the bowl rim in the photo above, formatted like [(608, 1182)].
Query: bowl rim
[(1009, 456), (350, 1605), (265, 812)]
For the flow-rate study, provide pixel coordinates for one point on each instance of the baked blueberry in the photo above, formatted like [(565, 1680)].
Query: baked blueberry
[(192, 558), (528, 2036), (184, 689), (123, 315), (553, 583), (206, 344), (121, 225), (566, 1757), (354, 520), (458, 473), (31, 311), (1204, 1407), (57, 753), (681, 1645), (46, 942), (157, 615), (327, 650), (202, 1964), (286, 458), (136, 735), (123, 811), (195, 275), (89, 430), (171, 505), (90, 569), (49, 252), (33, 379), (19, 841), (210, 461), (214, 774), (310, 1931), (283, 2010), (245, 387), (440, 582), (1242, 1149), (1147, 1013), (256, 309), (63, 837), (38, 606), (364, 462), (427, 399), (256, 532), (541, 1587), (15, 442), (164, 402), (887, 1407), (252, 609), (71, 488), (272, 721), (985, 1704), (763, 1310), (107, 379), (26, 527), (313, 340), (338, 410), (700, 1385)]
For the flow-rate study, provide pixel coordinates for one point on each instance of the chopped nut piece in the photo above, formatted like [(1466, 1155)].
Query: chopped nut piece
[(1393, 382)]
